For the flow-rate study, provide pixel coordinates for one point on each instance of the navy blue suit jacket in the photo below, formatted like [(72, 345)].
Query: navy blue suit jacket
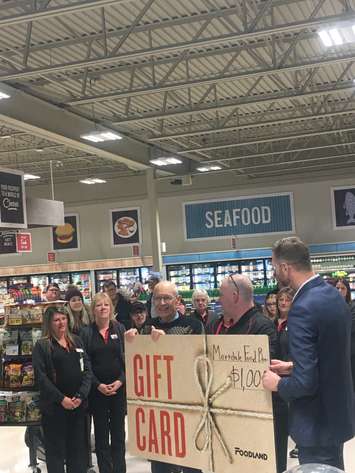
[(319, 389)]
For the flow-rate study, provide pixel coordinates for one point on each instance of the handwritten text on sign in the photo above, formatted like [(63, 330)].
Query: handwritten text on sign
[(201, 405)]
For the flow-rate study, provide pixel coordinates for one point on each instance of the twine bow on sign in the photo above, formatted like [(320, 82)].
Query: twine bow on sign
[(208, 423)]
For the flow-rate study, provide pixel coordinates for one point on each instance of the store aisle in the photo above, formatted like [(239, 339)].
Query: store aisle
[(14, 455)]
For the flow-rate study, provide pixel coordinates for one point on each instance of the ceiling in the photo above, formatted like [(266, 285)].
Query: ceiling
[(244, 84)]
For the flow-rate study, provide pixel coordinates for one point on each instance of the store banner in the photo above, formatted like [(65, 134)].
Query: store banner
[(243, 216), (66, 237), (198, 401), (12, 199), (343, 207), (125, 227)]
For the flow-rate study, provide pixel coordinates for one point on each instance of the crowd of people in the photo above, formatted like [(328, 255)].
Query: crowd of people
[(79, 363)]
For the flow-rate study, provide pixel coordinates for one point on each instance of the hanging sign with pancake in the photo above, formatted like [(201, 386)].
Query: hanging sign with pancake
[(66, 237), (125, 227)]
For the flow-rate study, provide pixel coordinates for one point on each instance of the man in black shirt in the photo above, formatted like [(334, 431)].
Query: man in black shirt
[(240, 316), (170, 322)]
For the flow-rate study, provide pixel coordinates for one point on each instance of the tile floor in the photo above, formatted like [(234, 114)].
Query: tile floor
[(14, 455)]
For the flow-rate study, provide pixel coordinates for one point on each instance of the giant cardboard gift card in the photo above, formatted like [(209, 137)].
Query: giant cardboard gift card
[(198, 401)]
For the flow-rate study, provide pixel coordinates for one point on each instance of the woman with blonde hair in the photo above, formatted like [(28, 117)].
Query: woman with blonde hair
[(103, 341), (63, 377)]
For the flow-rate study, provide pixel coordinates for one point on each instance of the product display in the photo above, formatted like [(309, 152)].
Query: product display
[(19, 403)]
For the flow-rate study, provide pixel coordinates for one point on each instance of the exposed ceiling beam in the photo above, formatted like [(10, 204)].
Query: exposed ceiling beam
[(268, 140), (347, 86), (27, 73), (57, 11), (246, 126), (149, 90)]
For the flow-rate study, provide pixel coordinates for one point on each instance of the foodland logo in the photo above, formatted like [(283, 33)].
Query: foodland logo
[(250, 454)]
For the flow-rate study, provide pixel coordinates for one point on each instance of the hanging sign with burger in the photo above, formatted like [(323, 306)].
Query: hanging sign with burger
[(66, 237), (125, 226)]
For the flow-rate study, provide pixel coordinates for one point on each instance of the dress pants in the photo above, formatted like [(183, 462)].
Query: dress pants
[(109, 416), (332, 455), (64, 440), (281, 431), (160, 467)]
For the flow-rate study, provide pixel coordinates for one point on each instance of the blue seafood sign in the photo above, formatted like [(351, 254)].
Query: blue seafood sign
[(242, 216)]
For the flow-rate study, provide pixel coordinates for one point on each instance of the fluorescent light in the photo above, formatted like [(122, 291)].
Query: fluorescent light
[(39, 150), (326, 39), (335, 35), (214, 167), (165, 161), (4, 96), (93, 180), (30, 177), (4, 137), (100, 136)]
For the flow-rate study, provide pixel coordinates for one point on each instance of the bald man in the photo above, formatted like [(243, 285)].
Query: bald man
[(240, 316), (170, 322)]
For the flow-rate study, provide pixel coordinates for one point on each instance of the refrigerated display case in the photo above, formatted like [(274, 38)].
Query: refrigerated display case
[(62, 279), (39, 280), (128, 277), (18, 281), (255, 271), (83, 282), (203, 276), (180, 275), (3, 286), (224, 269), (105, 275)]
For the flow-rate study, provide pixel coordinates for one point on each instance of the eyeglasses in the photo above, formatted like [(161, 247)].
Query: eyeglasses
[(235, 284), (164, 298)]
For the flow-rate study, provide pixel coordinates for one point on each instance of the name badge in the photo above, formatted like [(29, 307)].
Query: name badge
[(114, 336), (79, 350)]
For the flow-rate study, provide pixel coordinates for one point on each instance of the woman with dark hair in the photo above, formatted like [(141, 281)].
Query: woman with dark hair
[(283, 304), (63, 377), (270, 305), (103, 340), (343, 287), (79, 314)]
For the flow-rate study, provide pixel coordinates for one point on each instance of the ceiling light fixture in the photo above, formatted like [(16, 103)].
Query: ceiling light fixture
[(165, 161), (326, 39), (209, 168), (93, 180), (336, 37), (101, 136), (39, 150), (5, 137), (4, 96), (30, 177)]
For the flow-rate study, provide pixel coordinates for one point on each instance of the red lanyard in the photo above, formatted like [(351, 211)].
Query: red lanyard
[(221, 324)]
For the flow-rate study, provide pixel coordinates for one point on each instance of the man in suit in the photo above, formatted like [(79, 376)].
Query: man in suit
[(317, 383)]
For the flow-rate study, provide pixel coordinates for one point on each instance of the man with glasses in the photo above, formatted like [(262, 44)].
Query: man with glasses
[(170, 322), (317, 383)]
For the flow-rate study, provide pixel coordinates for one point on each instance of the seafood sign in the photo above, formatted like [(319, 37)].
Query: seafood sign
[(125, 226), (198, 401)]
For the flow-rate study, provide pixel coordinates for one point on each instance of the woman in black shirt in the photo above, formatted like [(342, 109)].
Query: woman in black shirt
[(103, 340), (63, 376)]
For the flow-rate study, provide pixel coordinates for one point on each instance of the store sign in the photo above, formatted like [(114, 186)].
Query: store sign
[(12, 200), (24, 242), (343, 207), (66, 237), (243, 216), (218, 419), (8, 243), (51, 257), (125, 227)]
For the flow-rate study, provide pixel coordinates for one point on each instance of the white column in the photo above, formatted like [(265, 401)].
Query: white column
[(154, 221)]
